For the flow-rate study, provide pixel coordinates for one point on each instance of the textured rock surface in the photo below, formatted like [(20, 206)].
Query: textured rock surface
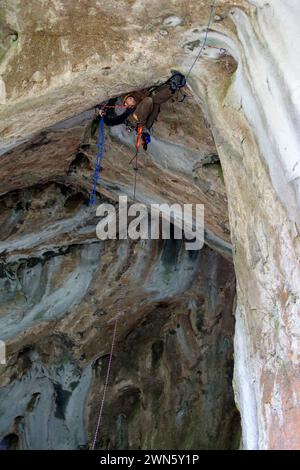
[(61, 289), (58, 60), (259, 152)]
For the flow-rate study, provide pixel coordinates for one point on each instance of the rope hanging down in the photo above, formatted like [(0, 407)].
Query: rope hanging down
[(98, 162), (105, 387), (99, 157), (212, 8), (135, 174), (140, 128), (137, 146)]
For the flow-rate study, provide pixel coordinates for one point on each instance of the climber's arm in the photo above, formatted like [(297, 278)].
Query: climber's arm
[(113, 120)]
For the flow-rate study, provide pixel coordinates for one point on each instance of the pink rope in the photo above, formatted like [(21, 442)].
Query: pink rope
[(105, 387)]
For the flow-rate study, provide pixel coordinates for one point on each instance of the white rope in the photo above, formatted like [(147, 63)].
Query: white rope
[(105, 387), (212, 7)]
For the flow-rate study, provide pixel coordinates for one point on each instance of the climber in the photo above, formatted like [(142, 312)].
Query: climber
[(139, 110)]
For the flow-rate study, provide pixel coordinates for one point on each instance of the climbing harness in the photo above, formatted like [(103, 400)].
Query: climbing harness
[(98, 161), (105, 387)]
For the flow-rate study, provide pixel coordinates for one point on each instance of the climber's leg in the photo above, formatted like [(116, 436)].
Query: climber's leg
[(163, 95), (143, 111), (153, 115)]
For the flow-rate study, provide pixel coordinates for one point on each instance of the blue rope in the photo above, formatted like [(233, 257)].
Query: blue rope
[(98, 162)]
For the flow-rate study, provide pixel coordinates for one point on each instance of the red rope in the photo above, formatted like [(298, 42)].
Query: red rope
[(116, 106), (139, 136), (105, 387)]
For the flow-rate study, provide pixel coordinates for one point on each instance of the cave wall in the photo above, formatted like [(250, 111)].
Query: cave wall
[(250, 97), (260, 160), (61, 291)]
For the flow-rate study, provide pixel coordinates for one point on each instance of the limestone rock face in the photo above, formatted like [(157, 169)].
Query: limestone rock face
[(62, 289)]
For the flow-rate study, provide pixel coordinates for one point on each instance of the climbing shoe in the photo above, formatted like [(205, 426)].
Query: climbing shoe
[(146, 139), (176, 82)]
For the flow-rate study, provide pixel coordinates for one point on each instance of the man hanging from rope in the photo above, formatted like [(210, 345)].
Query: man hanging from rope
[(139, 110)]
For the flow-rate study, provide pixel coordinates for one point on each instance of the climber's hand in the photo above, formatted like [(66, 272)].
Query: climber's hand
[(101, 112), (187, 91)]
